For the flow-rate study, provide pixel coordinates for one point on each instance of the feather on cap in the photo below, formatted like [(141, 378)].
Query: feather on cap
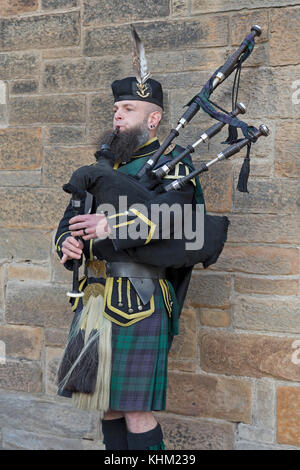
[(140, 87), (139, 57)]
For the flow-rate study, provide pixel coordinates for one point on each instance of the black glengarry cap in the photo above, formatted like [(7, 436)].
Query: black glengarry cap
[(130, 89)]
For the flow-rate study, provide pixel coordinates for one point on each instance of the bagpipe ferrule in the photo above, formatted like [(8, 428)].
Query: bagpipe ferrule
[(162, 171), (220, 156), (204, 137), (218, 79), (181, 123)]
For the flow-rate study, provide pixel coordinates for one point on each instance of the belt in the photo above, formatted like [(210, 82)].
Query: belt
[(123, 269), (140, 275)]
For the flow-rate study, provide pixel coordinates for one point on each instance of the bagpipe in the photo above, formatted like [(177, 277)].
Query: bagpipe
[(107, 185)]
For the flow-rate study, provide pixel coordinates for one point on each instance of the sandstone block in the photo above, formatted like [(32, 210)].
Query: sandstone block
[(47, 109), (100, 116), (209, 396), (12, 245), (204, 6), (82, 74), (58, 4), (22, 87), (21, 376), (288, 414), (33, 208), (40, 31), (113, 11), (273, 82), (215, 317), (187, 434), (57, 418), (266, 228), (283, 44), (27, 272), (20, 178), (185, 344), (65, 135), (203, 59), (53, 358), (179, 7), (265, 404), (182, 365), (267, 314), (217, 188), (287, 147), (69, 158), (16, 439), (269, 196), (22, 341), (209, 290), (166, 61), (255, 433), (259, 285), (17, 7), (248, 355), (21, 65), (177, 80), (37, 304), (20, 149), (56, 337), (206, 31), (2, 285), (59, 272), (259, 260), (242, 23), (60, 52)]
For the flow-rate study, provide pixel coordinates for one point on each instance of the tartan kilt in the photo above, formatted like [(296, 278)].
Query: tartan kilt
[(140, 362), (139, 359)]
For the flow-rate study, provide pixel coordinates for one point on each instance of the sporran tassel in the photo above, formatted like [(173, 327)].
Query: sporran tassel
[(86, 365), (98, 331), (73, 350)]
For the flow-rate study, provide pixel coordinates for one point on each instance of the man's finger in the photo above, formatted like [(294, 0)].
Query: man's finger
[(79, 218), (64, 259), (78, 226)]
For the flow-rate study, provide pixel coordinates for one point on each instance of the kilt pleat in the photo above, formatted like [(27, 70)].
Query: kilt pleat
[(140, 362)]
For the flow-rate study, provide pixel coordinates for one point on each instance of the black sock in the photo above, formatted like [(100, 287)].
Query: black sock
[(150, 440), (114, 434)]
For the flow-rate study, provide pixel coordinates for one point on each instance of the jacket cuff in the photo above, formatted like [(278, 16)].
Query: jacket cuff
[(130, 229)]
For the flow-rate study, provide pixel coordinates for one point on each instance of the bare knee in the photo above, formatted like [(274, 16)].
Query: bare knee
[(140, 421), (113, 414)]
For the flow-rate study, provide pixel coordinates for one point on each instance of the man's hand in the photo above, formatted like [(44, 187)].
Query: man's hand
[(89, 226), (72, 249)]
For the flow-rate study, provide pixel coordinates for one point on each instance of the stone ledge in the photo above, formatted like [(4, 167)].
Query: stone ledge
[(51, 417)]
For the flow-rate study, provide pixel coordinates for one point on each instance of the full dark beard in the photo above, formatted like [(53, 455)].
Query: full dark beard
[(126, 142)]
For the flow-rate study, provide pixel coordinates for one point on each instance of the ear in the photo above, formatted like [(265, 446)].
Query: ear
[(154, 119)]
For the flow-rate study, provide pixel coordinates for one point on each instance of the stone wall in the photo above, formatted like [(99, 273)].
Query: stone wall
[(235, 368)]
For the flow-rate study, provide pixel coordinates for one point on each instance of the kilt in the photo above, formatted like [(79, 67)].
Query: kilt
[(140, 362), (139, 359)]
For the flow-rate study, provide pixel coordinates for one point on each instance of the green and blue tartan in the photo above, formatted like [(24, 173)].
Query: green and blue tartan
[(140, 362)]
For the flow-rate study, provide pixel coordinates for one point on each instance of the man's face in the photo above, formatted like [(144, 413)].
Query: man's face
[(129, 114)]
